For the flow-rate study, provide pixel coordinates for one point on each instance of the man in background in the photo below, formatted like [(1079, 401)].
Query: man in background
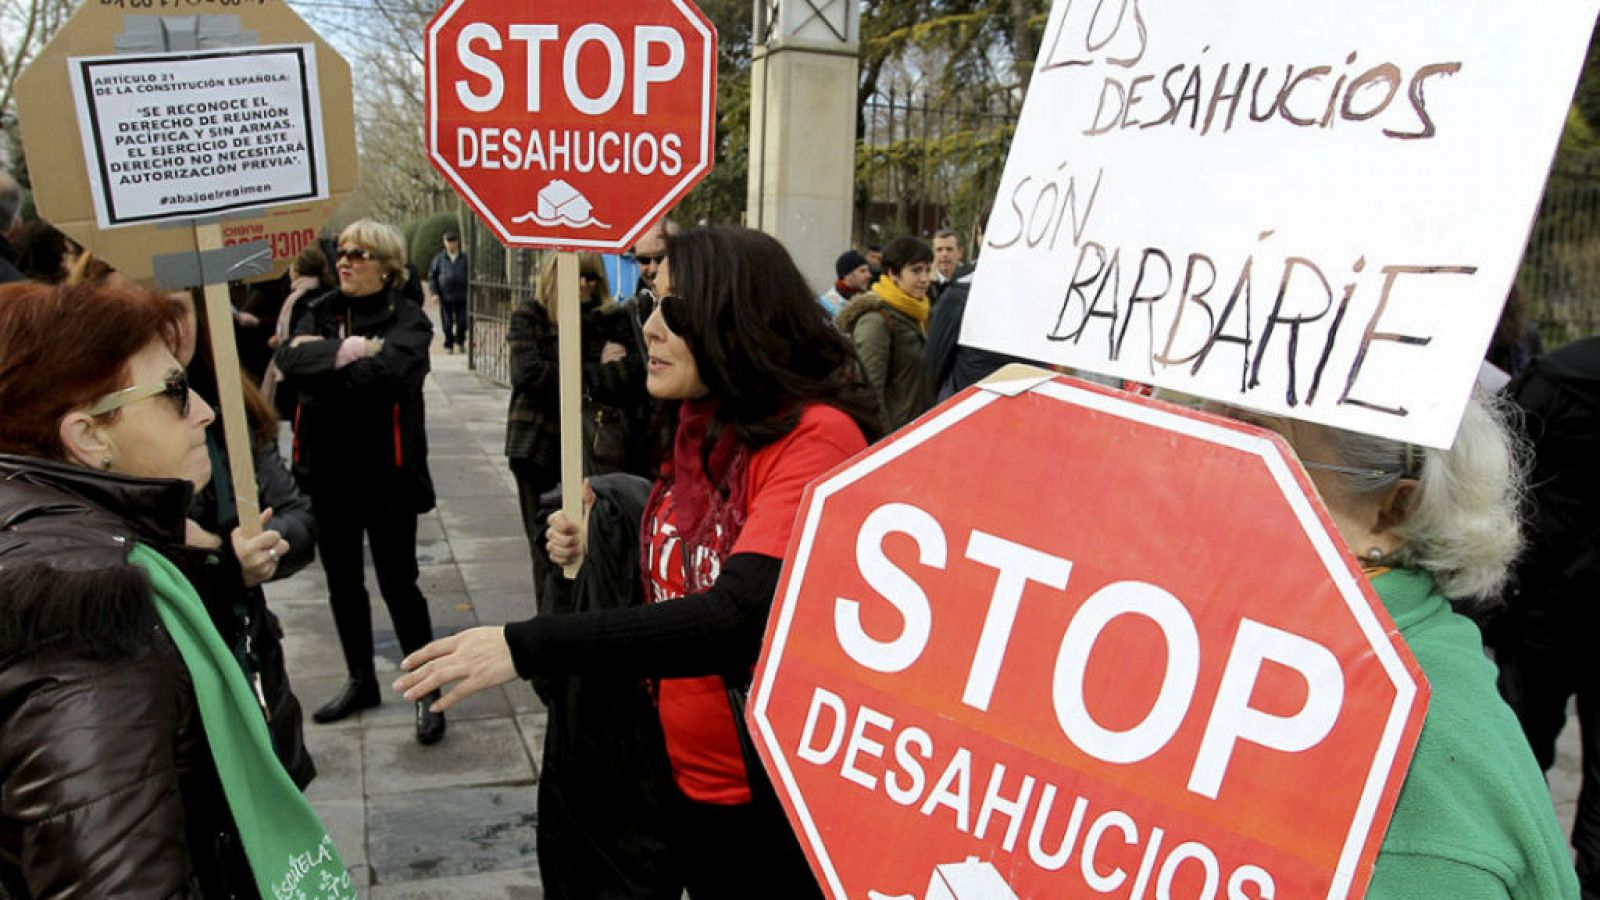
[(650, 250), (947, 262), (448, 276), (852, 275)]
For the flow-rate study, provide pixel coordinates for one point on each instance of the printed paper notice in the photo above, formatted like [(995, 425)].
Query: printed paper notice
[(176, 135)]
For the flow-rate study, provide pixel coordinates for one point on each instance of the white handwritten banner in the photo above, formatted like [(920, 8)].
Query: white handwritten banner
[(175, 135), (1309, 209)]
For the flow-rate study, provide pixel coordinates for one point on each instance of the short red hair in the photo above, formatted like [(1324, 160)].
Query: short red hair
[(62, 348)]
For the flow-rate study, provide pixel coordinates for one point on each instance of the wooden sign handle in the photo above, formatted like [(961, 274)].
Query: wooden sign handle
[(569, 321), (230, 393)]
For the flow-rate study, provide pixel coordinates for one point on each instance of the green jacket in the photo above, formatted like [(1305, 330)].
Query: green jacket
[(1474, 818), (889, 343)]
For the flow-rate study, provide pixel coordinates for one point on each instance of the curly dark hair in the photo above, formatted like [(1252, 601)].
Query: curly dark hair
[(764, 346)]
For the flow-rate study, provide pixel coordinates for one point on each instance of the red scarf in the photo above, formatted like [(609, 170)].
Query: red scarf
[(708, 510), (845, 290)]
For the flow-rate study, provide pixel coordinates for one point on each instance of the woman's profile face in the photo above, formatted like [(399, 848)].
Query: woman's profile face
[(149, 437), (359, 271), (670, 370), (914, 279)]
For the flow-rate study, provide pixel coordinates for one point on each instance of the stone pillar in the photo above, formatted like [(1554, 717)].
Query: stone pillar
[(803, 128)]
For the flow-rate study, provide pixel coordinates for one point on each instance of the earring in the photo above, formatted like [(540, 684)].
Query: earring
[(105, 462), (1374, 554)]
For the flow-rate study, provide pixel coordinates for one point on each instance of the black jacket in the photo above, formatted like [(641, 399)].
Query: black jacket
[(449, 279), (108, 786), (360, 428), (951, 367), (247, 625), (604, 784)]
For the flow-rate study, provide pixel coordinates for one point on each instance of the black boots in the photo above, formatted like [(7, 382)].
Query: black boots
[(430, 725), (357, 694)]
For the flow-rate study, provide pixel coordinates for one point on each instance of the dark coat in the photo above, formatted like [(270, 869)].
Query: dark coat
[(604, 784), (360, 428), (449, 279), (246, 624), (613, 393), (109, 789), (8, 263), (951, 367)]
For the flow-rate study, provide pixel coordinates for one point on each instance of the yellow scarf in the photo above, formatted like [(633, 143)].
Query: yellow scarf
[(915, 307)]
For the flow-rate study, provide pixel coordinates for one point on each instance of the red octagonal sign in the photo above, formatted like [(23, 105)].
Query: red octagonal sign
[(1076, 643), (571, 125)]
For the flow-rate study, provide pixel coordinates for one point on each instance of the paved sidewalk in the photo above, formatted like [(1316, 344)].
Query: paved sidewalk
[(455, 820)]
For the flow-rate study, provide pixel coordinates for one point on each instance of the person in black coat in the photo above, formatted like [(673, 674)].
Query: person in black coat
[(1543, 640), (359, 356)]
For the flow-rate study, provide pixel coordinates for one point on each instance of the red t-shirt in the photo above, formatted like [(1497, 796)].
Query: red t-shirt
[(696, 718)]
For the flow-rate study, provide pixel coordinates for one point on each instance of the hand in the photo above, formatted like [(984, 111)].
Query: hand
[(298, 340), (564, 539), (196, 536), (273, 342), (475, 659), (612, 352), (258, 556), (374, 346)]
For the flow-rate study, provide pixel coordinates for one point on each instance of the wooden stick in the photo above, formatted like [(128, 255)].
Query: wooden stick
[(230, 393), (569, 321)]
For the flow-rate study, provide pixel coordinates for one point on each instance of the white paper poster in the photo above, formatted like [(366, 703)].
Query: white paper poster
[(175, 135), (1309, 209)]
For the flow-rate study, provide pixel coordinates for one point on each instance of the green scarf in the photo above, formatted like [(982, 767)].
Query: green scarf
[(917, 308), (289, 851)]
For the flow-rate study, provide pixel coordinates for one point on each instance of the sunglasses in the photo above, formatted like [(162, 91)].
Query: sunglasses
[(174, 387), (675, 313), (649, 259), (354, 254)]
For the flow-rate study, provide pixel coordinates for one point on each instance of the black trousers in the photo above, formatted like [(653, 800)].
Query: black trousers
[(342, 520), (1543, 649), (738, 852), (453, 322)]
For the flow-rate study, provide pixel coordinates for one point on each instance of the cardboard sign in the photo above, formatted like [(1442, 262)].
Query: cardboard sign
[(1078, 697), (175, 135), (212, 39), (1309, 210), (571, 126)]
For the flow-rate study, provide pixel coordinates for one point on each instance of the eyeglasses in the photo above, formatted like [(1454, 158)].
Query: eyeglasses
[(649, 259), (674, 314), (354, 254), (175, 387)]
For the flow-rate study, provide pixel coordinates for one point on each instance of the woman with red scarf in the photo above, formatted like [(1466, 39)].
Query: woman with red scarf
[(761, 395)]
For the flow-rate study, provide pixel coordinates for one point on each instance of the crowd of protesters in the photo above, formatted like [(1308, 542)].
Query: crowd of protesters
[(151, 743)]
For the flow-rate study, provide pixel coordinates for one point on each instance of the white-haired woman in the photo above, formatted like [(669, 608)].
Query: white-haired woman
[(1436, 531), (358, 358)]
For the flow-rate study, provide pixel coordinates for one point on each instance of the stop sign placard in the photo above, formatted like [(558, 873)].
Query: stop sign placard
[(571, 125), (1123, 652)]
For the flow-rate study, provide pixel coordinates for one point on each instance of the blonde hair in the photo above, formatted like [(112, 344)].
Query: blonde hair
[(588, 263), (388, 249)]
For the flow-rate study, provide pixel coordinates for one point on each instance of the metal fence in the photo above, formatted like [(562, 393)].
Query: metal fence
[(921, 167), (1560, 274), (501, 278)]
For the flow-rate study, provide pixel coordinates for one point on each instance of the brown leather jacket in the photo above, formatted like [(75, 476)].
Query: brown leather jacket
[(108, 785)]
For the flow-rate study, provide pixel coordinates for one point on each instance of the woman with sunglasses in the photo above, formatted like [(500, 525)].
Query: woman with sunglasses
[(760, 395), (358, 358), (134, 756), (614, 398)]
